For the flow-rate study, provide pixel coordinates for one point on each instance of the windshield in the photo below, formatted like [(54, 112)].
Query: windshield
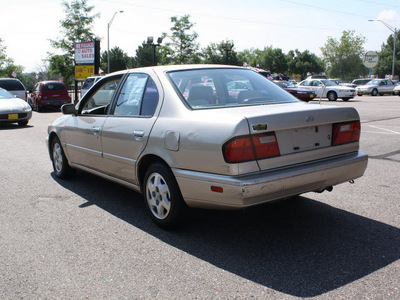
[(5, 95), (216, 88), (373, 82), (329, 83)]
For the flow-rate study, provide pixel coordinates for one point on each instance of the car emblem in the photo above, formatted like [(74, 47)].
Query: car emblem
[(310, 119)]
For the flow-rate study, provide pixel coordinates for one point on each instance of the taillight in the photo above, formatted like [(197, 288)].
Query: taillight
[(343, 133), (250, 147)]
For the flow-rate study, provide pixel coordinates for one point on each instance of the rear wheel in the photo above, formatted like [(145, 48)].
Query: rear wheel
[(374, 92), (59, 160), (332, 96), (162, 196)]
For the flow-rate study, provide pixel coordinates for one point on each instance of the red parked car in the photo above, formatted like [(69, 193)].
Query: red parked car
[(299, 93), (48, 94)]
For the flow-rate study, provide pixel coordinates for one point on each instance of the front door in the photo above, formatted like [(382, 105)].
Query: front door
[(83, 132)]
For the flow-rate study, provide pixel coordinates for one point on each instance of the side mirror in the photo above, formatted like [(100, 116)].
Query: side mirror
[(69, 109)]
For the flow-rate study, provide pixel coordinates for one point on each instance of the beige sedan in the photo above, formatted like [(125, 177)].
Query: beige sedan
[(183, 138)]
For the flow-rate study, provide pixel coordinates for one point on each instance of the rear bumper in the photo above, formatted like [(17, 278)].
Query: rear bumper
[(257, 188), (53, 103)]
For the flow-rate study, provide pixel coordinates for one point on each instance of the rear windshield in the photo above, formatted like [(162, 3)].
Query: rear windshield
[(11, 85), (53, 86), (215, 88)]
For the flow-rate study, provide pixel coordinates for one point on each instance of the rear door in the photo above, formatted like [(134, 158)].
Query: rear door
[(126, 131)]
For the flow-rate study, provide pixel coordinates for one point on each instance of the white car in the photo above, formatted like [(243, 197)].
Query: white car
[(87, 84), (377, 86), (396, 90), (13, 109), (328, 89)]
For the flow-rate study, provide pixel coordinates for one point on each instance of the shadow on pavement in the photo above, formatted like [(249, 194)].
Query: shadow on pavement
[(299, 247)]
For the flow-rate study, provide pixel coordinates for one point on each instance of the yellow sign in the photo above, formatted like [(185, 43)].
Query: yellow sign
[(297, 77), (83, 72)]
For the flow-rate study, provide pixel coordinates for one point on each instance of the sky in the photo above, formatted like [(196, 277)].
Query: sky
[(26, 26)]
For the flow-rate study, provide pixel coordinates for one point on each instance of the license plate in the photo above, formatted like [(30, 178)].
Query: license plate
[(12, 116), (354, 94)]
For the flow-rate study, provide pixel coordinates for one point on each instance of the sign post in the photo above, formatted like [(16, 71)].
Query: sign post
[(87, 61)]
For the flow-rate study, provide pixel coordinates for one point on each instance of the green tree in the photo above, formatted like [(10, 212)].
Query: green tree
[(7, 66), (304, 62), (119, 60), (76, 27), (183, 41), (343, 58), (386, 57), (273, 59), (144, 55), (252, 57), (215, 54)]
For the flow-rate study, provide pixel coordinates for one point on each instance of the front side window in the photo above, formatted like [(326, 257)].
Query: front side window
[(138, 96), (215, 88), (98, 101)]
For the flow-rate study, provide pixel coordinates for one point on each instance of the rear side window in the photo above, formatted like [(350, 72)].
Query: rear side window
[(11, 85), (138, 97)]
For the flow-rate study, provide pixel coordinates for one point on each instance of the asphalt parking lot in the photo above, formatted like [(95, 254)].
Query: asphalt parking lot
[(90, 238)]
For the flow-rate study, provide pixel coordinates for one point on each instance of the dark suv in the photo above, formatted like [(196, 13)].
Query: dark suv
[(14, 86)]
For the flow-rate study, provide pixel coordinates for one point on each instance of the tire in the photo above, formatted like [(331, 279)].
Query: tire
[(332, 96), (59, 160), (374, 92), (381, 94), (162, 196), (345, 99), (23, 123)]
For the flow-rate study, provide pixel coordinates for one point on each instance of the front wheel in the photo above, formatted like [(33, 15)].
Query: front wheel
[(374, 92), (332, 96), (162, 196), (23, 123), (59, 160)]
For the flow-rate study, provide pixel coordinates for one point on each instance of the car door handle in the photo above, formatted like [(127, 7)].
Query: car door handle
[(96, 130), (138, 134)]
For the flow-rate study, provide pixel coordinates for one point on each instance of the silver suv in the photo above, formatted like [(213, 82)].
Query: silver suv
[(14, 86)]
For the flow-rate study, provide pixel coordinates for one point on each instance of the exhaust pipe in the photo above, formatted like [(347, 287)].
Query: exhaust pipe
[(328, 188)]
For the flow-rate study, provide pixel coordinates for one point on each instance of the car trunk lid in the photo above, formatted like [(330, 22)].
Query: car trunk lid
[(302, 134)]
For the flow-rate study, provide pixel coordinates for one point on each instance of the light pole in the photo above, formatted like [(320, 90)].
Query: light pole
[(150, 42), (392, 29), (108, 39), (227, 47)]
